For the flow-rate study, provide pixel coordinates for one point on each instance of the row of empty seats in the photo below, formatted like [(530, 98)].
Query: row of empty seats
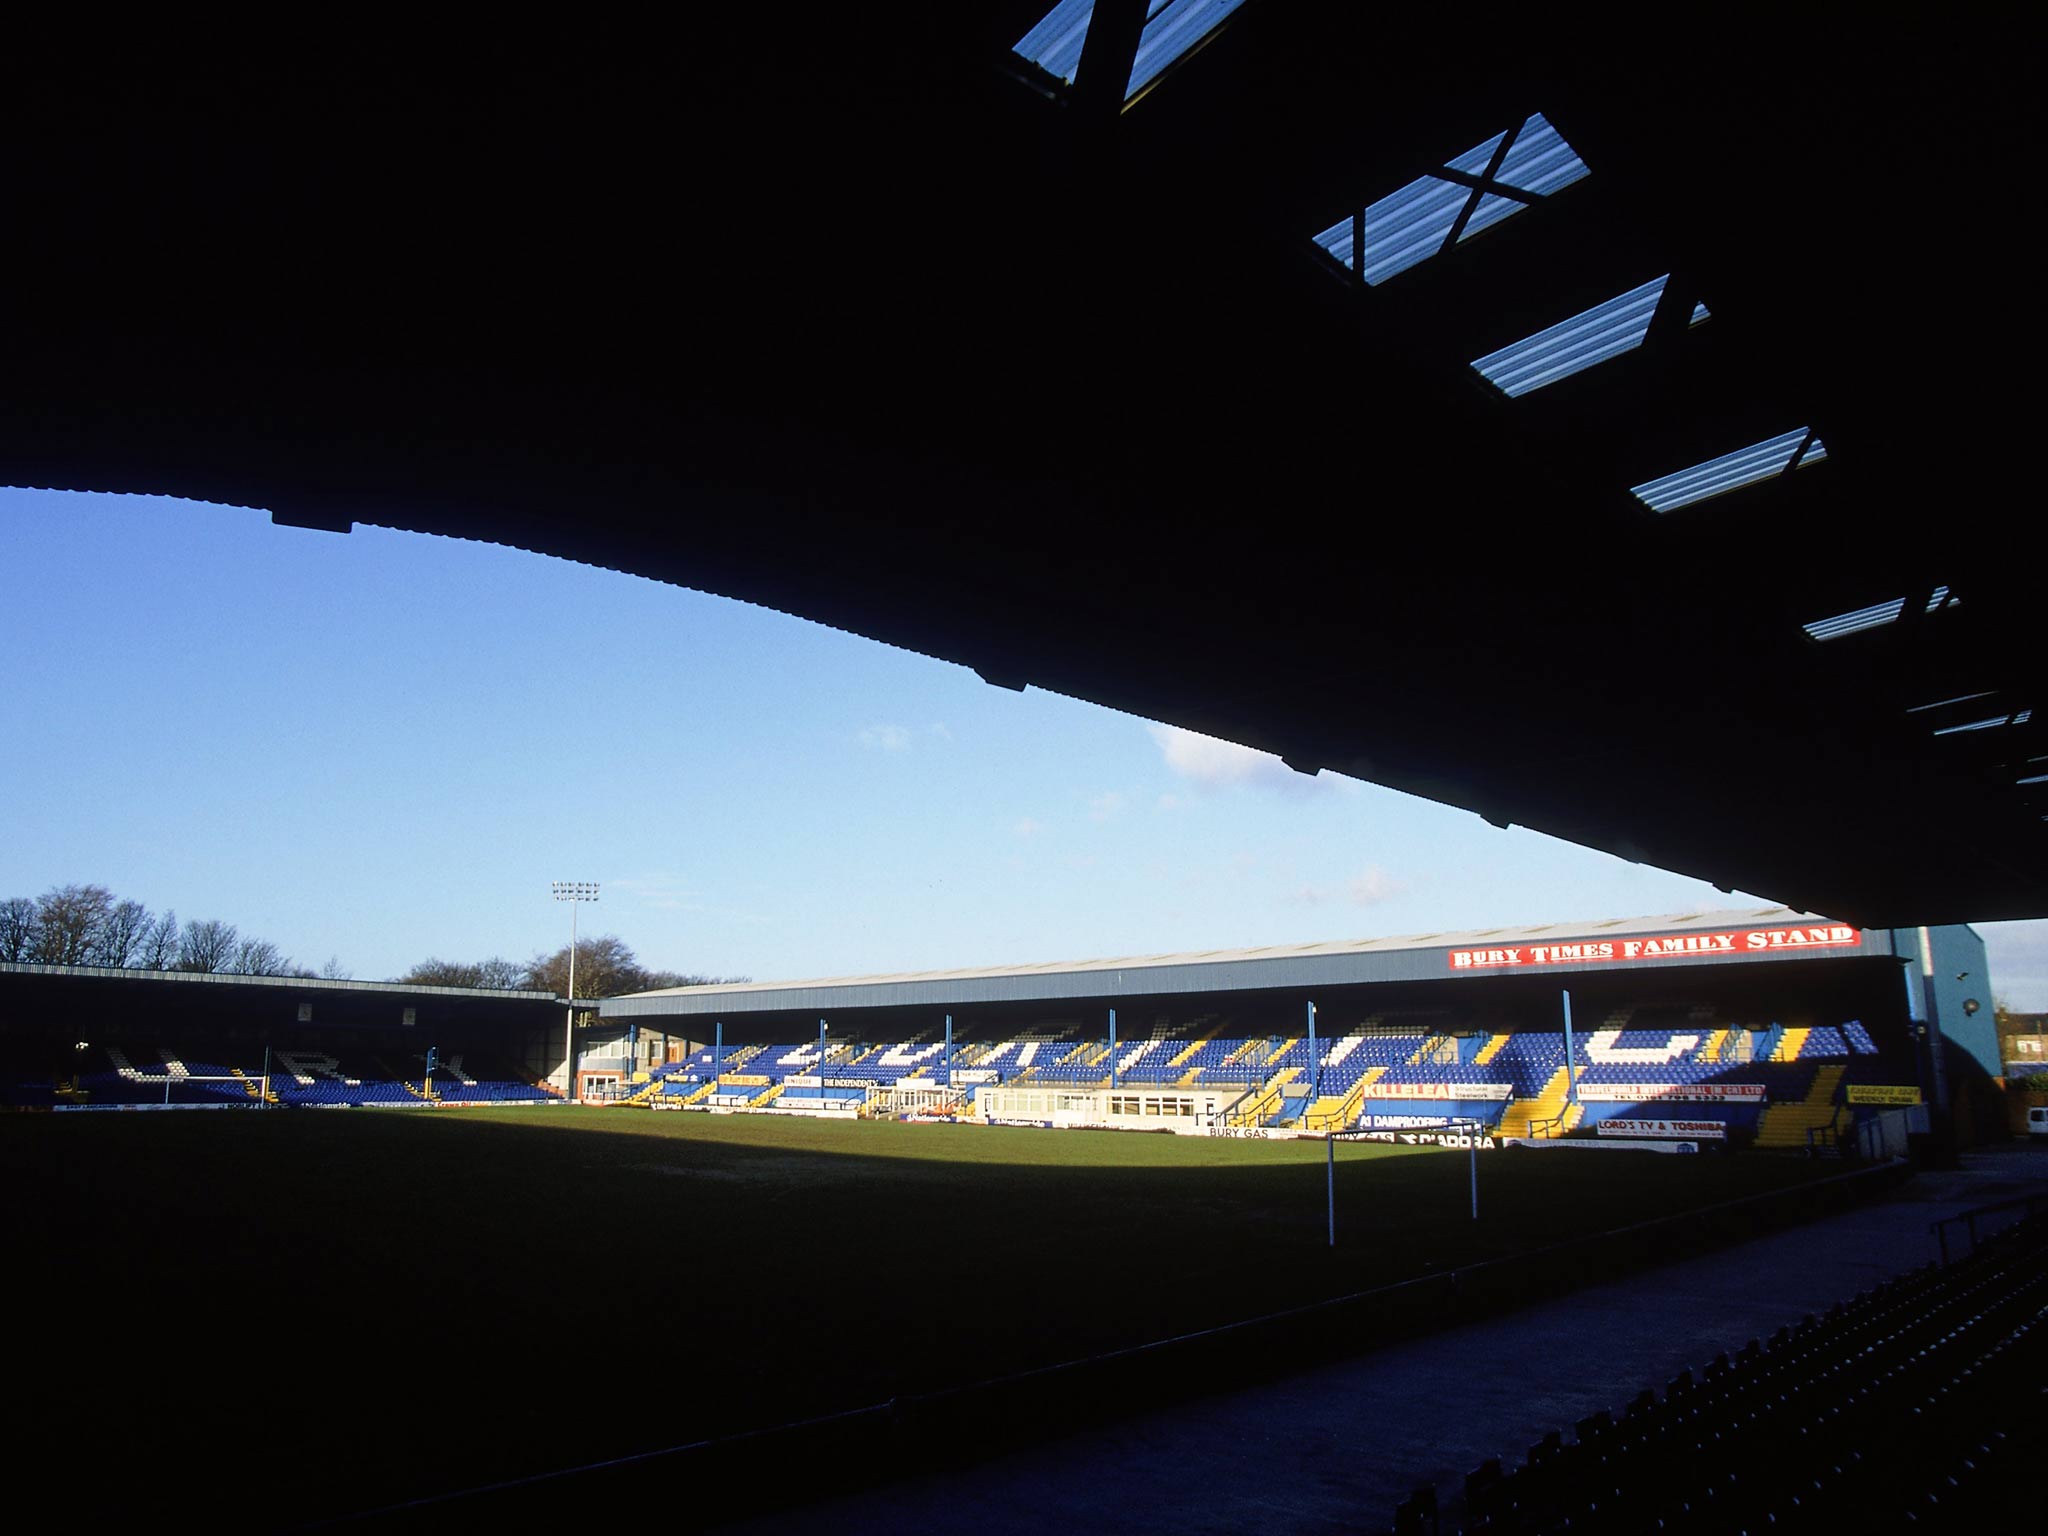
[(1920, 1404), (1638, 1064), (120, 1074)]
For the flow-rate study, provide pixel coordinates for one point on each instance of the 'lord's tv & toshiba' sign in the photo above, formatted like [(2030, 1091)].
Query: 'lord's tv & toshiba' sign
[(1670, 946)]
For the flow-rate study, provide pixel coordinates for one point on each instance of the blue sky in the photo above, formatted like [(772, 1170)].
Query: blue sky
[(380, 747)]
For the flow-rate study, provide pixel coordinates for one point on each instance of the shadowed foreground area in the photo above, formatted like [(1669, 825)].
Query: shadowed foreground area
[(330, 1312)]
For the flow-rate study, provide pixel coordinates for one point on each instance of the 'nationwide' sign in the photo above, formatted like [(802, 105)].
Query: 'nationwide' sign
[(1671, 946)]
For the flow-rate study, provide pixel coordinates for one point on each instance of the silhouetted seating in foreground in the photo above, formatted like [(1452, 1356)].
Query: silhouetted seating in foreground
[(1907, 1407)]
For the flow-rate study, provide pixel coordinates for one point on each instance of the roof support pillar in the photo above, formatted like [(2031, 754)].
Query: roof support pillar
[(1571, 1071), (1104, 73)]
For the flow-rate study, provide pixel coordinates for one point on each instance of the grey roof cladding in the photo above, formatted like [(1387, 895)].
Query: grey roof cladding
[(296, 983), (1336, 963)]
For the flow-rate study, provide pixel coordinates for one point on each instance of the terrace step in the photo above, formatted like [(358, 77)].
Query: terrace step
[(1786, 1125), (1547, 1105)]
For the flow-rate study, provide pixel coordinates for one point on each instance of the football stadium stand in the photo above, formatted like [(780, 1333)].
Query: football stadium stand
[(1653, 1071), (1658, 1070), (1741, 1028), (132, 1075)]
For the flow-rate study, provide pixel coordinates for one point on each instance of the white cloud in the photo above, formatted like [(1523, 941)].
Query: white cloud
[(1105, 805), (1209, 763), (1369, 889), (1205, 760), (664, 892), (1028, 827), (885, 738), (1373, 887), (939, 729)]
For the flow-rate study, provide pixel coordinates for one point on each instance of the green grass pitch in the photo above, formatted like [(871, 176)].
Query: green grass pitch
[(353, 1307)]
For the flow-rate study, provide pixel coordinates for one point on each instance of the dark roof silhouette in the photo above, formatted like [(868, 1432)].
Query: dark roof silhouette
[(864, 317)]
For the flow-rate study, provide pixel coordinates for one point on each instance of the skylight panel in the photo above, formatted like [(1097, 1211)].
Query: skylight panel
[(1961, 698), (1475, 161), (1876, 615), (1054, 45), (1491, 210), (1492, 207), (1937, 599), (1539, 160), (1571, 346), (1339, 242), (1700, 312), (1411, 225), (1986, 724), (1729, 472), (1172, 29)]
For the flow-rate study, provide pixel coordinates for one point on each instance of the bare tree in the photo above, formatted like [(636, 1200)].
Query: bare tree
[(497, 973), (444, 973), (334, 970), (258, 957), (605, 967), (17, 929), (69, 921), (654, 980), (120, 936), (505, 975), (159, 948), (206, 946)]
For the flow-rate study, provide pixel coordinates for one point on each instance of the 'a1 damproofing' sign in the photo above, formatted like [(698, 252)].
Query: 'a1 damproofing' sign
[(1669, 946)]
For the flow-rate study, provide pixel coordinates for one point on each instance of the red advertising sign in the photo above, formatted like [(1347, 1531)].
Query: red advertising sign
[(1697, 1093), (1670, 946)]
